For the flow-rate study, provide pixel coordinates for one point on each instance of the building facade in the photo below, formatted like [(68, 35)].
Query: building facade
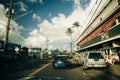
[(103, 33)]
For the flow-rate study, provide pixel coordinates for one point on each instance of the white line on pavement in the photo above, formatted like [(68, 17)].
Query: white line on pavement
[(86, 74), (38, 70)]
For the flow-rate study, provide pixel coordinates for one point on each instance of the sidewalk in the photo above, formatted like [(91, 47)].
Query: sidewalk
[(115, 69)]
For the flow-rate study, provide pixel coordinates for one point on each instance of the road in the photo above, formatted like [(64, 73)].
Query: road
[(77, 73), (74, 73)]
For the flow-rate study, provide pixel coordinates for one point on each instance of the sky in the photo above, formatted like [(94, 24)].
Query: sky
[(36, 23)]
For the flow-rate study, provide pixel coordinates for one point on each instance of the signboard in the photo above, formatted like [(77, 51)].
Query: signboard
[(16, 49)]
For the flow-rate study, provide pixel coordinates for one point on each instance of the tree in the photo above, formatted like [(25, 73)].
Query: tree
[(76, 25), (69, 32)]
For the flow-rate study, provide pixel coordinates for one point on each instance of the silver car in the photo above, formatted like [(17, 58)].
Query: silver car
[(94, 60)]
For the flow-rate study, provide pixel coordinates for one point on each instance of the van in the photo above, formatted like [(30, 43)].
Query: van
[(94, 60)]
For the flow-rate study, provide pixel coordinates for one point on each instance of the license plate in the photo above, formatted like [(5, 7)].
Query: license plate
[(96, 59)]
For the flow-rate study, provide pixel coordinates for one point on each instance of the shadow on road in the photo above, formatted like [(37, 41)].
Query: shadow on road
[(24, 65), (112, 73), (74, 65)]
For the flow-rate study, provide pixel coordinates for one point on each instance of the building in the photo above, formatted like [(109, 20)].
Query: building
[(103, 33)]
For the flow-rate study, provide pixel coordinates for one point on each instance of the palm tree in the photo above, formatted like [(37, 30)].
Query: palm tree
[(69, 32), (76, 25)]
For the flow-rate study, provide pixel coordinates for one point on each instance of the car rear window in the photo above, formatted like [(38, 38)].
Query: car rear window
[(60, 58), (95, 55)]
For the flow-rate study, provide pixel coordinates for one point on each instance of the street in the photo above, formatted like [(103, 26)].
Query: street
[(75, 72)]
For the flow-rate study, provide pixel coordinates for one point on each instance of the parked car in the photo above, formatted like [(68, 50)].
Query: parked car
[(61, 61), (94, 60)]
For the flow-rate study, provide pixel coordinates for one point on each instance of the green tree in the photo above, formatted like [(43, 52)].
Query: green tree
[(69, 32), (76, 25)]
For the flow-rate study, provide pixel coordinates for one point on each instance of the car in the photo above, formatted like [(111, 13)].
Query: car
[(61, 61), (94, 60)]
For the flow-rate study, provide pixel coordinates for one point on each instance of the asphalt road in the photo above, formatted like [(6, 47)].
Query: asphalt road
[(43, 68), (77, 73), (21, 69)]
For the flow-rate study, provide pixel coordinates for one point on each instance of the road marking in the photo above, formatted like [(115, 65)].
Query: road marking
[(86, 74), (38, 70)]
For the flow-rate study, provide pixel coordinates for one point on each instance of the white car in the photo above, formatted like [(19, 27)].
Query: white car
[(94, 60)]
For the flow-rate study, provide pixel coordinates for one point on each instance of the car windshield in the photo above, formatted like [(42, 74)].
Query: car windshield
[(95, 55), (52, 39), (60, 58)]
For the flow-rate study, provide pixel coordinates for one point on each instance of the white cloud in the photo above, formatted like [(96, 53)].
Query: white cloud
[(77, 3), (23, 7), (41, 1), (35, 39), (32, 1), (3, 20), (36, 17), (55, 29)]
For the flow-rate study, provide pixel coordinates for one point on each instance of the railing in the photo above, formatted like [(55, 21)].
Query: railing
[(114, 31)]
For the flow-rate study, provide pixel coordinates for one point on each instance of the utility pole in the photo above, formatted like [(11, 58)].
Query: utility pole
[(7, 27), (71, 48)]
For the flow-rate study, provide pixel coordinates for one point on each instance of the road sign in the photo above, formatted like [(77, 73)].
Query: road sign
[(16, 49)]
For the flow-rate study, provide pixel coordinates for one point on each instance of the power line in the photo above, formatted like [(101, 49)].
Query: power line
[(90, 12), (105, 3), (94, 13), (22, 15)]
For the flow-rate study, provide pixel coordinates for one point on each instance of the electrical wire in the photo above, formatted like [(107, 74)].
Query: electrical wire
[(94, 13), (90, 12)]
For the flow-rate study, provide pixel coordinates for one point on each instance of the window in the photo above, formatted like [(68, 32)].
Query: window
[(95, 55)]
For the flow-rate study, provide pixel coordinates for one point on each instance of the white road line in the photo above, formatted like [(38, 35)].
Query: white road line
[(86, 74), (38, 70)]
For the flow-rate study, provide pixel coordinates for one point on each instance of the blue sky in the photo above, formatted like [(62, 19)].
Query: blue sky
[(49, 20)]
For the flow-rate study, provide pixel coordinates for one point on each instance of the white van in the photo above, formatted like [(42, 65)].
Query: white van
[(94, 60)]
